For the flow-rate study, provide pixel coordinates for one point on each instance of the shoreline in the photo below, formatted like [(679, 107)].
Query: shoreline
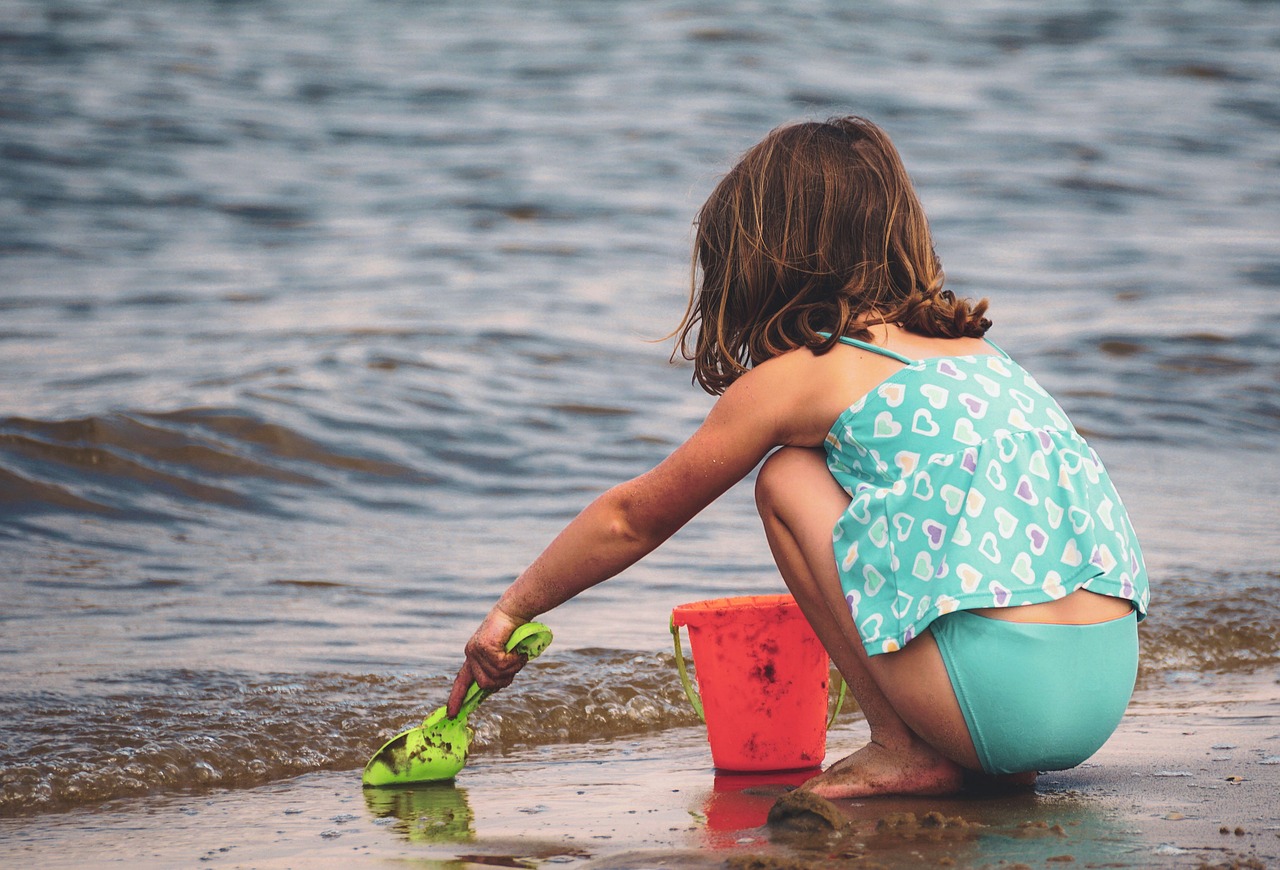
[(1185, 782)]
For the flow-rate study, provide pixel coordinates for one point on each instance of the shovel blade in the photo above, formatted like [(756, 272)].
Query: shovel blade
[(433, 752), (437, 749)]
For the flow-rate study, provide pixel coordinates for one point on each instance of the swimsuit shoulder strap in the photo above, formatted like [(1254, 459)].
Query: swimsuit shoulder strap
[(892, 354), (874, 348), (1004, 353)]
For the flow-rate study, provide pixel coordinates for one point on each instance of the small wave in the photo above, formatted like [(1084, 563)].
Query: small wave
[(281, 442), (118, 462), (18, 492), (123, 464), (105, 442), (184, 731), (1194, 627)]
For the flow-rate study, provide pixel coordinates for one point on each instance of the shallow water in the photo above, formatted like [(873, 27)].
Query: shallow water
[(319, 320)]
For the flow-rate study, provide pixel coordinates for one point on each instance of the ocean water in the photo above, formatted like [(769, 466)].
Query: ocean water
[(318, 319)]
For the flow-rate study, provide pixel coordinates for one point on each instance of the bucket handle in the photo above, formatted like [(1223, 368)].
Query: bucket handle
[(692, 694)]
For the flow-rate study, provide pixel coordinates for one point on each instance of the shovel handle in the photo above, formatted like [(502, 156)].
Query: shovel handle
[(528, 640)]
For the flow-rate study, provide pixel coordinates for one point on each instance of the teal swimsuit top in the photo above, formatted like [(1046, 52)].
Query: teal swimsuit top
[(969, 489)]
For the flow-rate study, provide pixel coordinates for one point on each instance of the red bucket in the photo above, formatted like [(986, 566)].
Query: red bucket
[(763, 677)]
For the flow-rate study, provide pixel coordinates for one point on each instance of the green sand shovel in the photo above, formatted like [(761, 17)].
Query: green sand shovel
[(437, 749)]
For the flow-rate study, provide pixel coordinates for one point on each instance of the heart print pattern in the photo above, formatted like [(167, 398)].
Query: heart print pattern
[(970, 488)]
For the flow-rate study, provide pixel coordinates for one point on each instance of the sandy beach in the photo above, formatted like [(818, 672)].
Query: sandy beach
[(1184, 783)]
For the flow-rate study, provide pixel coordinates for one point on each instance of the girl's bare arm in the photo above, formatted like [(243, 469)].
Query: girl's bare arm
[(760, 411)]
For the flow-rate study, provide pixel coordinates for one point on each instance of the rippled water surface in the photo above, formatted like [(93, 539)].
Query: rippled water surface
[(318, 319)]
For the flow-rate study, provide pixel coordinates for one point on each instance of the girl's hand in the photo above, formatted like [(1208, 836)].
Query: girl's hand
[(488, 663)]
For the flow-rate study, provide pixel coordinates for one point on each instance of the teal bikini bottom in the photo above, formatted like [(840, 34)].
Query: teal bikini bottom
[(1038, 696)]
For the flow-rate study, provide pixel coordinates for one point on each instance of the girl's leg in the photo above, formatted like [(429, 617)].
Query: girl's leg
[(919, 741)]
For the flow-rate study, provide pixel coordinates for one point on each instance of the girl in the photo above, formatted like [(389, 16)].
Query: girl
[(955, 544)]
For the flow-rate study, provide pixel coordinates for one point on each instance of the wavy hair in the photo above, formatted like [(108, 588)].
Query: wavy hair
[(816, 229)]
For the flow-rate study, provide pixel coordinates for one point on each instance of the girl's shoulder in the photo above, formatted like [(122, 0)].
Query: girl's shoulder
[(808, 391)]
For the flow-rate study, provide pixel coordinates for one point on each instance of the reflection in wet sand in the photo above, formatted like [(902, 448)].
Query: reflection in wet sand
[(431, 813)]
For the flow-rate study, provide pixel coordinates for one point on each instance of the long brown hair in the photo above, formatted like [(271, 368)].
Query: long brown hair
[(816, 229)]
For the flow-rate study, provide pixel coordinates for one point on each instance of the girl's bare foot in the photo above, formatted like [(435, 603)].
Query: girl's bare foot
[(877, 770)]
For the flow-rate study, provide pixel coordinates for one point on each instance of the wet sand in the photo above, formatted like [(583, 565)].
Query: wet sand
[(1184, 783)]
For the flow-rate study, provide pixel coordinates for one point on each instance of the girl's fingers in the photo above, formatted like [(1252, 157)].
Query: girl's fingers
[(488, 664), (501, 669), (490, 672), (461, 683)]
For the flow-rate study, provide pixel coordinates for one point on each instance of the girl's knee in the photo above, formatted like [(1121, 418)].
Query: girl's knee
[(778, 476), (796, 479)]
